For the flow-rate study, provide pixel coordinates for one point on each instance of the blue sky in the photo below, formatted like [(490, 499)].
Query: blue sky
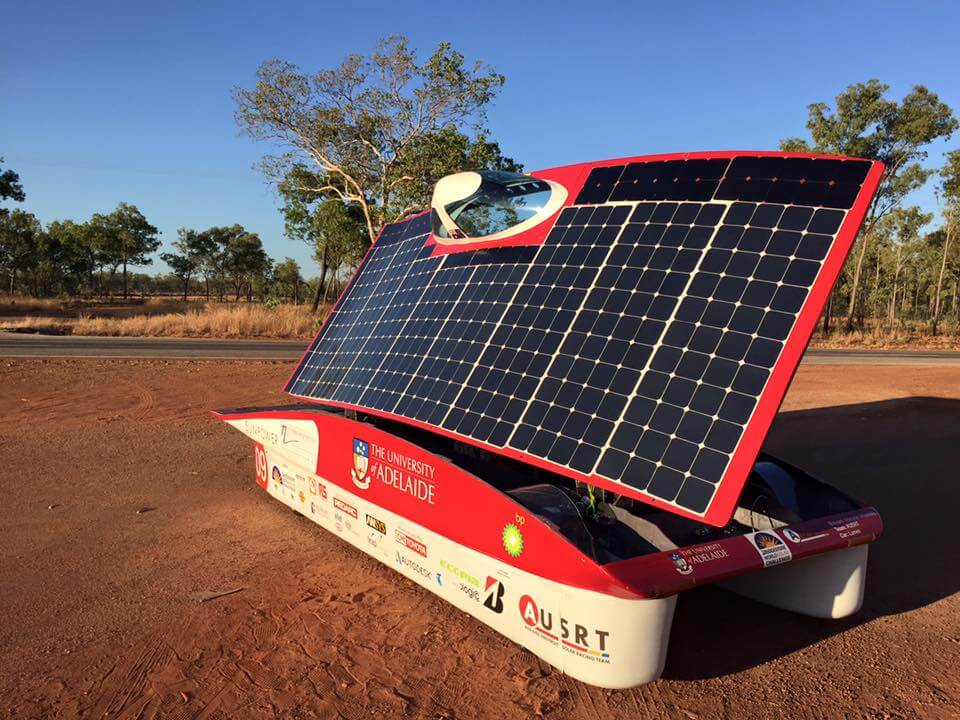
[(102, 102)]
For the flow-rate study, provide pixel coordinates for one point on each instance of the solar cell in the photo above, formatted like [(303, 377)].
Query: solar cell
[(631, 348)]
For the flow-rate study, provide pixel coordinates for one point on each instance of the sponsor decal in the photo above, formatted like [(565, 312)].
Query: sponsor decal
[(439, 580), (465, 582), (260, 433), (797, 538), (373, 540), (512, 540), (379, 525), (406, 562), (286, 485), (393, 469), (772, 549), (459, 573), (303, 498), (686, 559), (345, 507), (342, 522), (318, 509), (493, 595), (283, 436), (361, 464), (575, 638), (411, 543)]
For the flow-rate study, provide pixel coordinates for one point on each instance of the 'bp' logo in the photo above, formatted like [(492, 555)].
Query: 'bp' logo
[(512, 540), (361, 463)]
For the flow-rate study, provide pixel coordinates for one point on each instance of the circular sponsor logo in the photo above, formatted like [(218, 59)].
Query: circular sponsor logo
[(512, 540), (529, 611)]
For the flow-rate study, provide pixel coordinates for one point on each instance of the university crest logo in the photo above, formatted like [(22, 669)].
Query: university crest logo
[(361, 464)]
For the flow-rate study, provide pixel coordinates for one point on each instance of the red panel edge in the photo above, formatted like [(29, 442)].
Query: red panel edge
[(744, 456)]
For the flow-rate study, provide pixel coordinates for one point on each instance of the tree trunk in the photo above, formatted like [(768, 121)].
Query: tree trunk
[(943, 268), (186, 286), (13, 280), (316, 295), (857, 269), (827, 312), (124, 279)]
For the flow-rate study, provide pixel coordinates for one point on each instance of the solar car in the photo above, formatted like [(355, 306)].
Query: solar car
[(544, 399)]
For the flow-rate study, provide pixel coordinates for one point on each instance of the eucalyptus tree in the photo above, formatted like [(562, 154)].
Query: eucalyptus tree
[(949, 194), (865, 123), (374, 132)]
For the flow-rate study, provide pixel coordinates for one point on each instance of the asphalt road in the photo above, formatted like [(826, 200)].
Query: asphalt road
[(52, 346)]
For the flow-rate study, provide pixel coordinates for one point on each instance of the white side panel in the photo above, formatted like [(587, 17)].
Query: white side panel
[(599, 639), (295, 439), (827, 586)]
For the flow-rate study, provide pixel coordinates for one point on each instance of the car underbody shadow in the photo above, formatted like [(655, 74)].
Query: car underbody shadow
[(900, 456)]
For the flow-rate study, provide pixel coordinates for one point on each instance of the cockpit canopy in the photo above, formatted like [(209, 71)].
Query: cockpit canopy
[(490, 205)]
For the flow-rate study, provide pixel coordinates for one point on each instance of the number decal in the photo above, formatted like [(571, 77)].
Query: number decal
[(260, 458)]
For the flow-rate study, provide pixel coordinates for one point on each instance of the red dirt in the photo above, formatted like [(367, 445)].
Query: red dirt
[(122, 497)]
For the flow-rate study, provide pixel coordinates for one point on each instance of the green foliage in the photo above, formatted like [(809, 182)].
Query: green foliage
[(949, 188), (20, 244), (375, 132), (124, 238), (10, 188), (287, 280)]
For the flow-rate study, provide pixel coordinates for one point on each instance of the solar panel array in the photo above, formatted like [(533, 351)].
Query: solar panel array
[(632, 345)]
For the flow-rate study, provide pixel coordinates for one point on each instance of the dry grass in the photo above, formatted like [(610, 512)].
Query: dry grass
[(14, 304), (905, 336), (209, 321)]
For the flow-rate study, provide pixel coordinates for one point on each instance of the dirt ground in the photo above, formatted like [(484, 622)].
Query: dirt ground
[(122, 498)]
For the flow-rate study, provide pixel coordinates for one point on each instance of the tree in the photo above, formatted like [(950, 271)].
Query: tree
[(81, 255), (287, 277), (336, 232), (864, 123), (901, 230), (376, 132), (10, 188), (193, 247), (246, 260), (126, 238), (213, 246), (949, 192), (19, 244)]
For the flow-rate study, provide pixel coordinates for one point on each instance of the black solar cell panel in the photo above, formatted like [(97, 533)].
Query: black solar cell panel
[(630, 348)]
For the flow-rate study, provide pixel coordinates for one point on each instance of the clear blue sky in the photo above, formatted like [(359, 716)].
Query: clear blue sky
[(103, 102)]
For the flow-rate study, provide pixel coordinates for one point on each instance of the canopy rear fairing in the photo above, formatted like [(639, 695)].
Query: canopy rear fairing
[(640, 339)]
